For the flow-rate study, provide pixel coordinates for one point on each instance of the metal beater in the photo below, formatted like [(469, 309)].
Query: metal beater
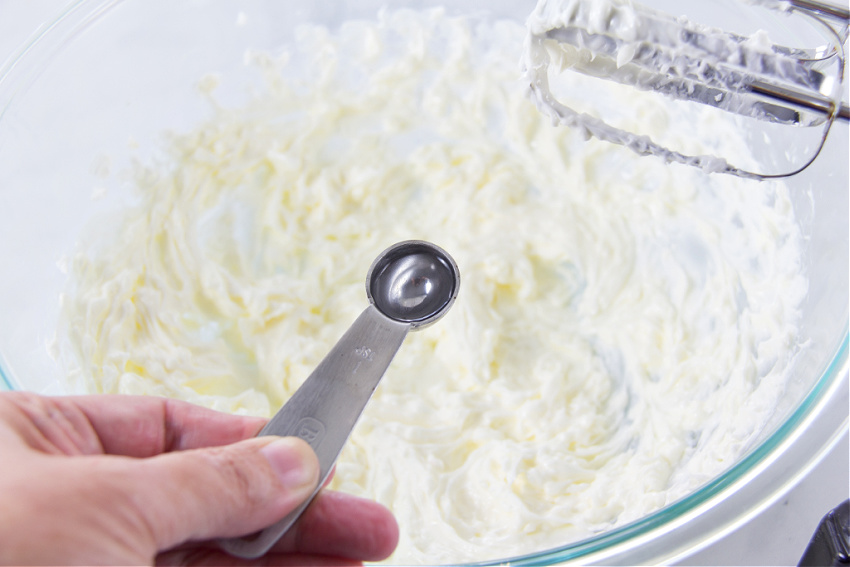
[(622, 41)]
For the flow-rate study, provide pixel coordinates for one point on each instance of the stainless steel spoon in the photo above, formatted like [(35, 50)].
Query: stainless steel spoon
[(409, 285)]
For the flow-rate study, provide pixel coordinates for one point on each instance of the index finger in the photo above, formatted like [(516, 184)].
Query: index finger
[(143, 426)]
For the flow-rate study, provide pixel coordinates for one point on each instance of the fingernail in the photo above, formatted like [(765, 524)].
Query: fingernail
[(293, 462)]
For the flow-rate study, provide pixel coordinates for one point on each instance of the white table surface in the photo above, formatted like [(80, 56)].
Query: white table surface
[(777, 536)]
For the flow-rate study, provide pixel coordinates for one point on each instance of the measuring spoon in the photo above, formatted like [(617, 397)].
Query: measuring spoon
[(409, 285)]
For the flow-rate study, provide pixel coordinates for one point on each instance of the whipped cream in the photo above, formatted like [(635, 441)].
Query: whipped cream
[(622, 333)]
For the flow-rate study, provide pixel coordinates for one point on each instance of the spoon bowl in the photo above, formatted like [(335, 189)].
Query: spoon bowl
[(413, 282)]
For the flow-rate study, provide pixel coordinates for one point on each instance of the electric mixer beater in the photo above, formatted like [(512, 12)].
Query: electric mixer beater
[(624, 42)]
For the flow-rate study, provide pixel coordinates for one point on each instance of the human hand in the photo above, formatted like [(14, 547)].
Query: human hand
[(136, 480)]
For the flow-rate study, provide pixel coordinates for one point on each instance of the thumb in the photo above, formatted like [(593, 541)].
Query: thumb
[(223, 491)]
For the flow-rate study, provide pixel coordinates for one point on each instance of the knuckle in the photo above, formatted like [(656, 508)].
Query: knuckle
[(242, 473)]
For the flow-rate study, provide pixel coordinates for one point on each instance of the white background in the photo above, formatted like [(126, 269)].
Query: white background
[(777, 536)]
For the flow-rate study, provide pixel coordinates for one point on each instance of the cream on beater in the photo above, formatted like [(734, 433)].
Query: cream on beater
[(627, 43)]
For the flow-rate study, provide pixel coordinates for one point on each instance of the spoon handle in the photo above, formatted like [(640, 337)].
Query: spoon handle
[(325, 408)]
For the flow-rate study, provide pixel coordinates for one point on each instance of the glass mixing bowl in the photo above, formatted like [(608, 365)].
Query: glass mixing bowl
[(106, 70)]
